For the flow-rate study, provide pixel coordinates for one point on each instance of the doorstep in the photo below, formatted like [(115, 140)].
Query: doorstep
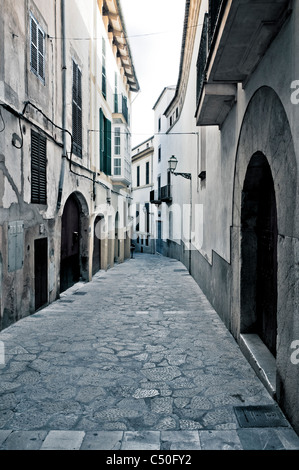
[(261, 360)]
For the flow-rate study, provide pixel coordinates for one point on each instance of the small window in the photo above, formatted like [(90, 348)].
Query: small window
[(159, 125), (38, 168), (117, 166), (147, 168), (159, 153), (37, 49)]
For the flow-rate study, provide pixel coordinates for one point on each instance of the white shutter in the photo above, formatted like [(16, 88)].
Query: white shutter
[(37, 49), (33, 45)]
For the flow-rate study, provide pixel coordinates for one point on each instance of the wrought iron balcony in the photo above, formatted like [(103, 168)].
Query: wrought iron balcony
[(155, 196), (235, 36), (166, 193)]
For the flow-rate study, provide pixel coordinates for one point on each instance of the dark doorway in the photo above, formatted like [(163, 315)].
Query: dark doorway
[(259, 253), (41, 272), (70, 244), (97, 238), (159, 247)]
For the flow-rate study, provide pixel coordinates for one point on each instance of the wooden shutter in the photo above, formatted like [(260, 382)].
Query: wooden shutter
[(108, 147), (38, 168), (77, 110), (102, 140), (37, 49), (33, 46), (41, 54)]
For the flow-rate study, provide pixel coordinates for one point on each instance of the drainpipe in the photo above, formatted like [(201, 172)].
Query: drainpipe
[(63, 54)]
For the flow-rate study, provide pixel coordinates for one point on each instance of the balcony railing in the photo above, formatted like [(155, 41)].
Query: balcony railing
[(155, 196), (214, 12), (202, 57), (166, 193), (121, 106), (231, 49)]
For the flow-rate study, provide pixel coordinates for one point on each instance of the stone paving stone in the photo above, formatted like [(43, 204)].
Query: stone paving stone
[(220, 440), (102, 440), (268, 439), (63, 440), (136, 361), (4, 435), (24, 440), (141, 440)]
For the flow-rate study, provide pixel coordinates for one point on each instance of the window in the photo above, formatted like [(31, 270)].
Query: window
[(159, 153), (77, 110), (147, 173), (37, 49), (147, 217), (105, 144), (117, 166), (104, 68), (38, 168), (138, 176), (117, 141), (159, 124)]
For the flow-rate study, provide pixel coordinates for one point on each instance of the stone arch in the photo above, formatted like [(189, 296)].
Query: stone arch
[(74, 241), (266, 131)]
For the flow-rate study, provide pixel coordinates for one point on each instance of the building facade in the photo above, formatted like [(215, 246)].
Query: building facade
[(66, 81), (142, 183), (233, 128)]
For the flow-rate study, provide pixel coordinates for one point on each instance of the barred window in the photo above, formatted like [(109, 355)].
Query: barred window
[(37, 49)]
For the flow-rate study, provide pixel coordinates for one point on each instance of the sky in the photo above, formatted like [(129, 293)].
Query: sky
[(154, 29)]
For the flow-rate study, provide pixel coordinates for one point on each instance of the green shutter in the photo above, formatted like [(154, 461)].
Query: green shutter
[(102, 140), (108, 147)]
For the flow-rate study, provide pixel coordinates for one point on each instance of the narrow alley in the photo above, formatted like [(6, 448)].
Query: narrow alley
[(135, 359)]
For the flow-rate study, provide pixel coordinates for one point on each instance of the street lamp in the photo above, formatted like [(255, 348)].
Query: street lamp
[(172, 162)]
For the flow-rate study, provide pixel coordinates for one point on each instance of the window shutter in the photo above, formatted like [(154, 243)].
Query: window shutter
[(38, 168), (77, 110), (108, 147), (102, 140), (41, 54), (34, 46)]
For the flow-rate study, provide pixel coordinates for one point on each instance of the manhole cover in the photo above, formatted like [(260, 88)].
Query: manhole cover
[(79, 293), (65, 301), (267, 416)]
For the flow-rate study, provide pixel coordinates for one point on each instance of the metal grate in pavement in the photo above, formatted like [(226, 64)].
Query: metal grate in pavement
[(265, 416), (80, 293)]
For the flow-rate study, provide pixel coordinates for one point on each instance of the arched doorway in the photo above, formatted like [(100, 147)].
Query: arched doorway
[(97, 244), (70, 244), (259, 253)]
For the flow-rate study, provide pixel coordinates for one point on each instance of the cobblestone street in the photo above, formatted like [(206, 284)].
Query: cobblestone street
[(135, 359)]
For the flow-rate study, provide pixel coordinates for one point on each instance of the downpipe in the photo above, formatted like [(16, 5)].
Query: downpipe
[(64, 154)]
